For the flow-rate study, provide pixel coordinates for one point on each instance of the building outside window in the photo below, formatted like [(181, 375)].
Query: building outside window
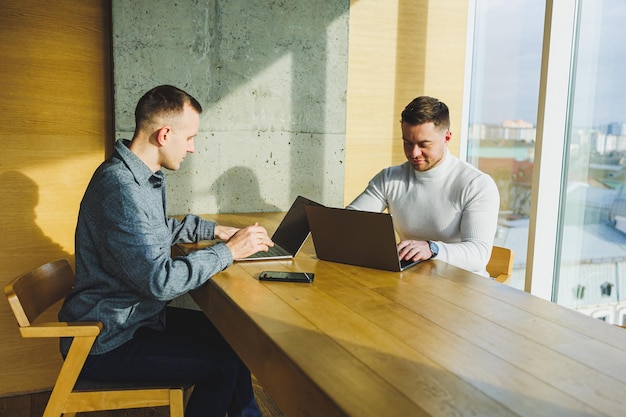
[(504, 94), (587, 268)]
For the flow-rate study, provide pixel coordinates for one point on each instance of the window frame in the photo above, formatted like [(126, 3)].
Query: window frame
[(553, 113)]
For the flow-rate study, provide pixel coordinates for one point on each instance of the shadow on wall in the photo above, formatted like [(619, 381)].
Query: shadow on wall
[(24, 246), (18, 222), (239, 187), (295, 98)]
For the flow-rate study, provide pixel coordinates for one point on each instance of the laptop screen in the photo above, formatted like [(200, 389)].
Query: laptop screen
[(355, 237), (294, 228)]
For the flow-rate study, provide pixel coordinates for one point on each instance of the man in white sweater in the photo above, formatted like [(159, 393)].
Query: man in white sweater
[(442, 207)]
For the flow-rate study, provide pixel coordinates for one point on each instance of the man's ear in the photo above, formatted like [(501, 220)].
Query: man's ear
[(162, 135)]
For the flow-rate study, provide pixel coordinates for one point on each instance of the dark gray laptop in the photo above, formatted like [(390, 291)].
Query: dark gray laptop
[(355, 237), (290, 234)]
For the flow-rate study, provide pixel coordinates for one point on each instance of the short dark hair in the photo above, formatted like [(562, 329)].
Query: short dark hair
[(426, 109), (161, 101)]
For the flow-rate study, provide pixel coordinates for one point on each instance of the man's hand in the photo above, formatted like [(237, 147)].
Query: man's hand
[(249, 240), (224, 232), (414, 250)]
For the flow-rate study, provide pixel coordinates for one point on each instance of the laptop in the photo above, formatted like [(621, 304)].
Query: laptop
[(290, 235), (354, 237)]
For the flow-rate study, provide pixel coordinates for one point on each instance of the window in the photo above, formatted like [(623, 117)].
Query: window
[(504, 94), (592, 237), (553, 136)]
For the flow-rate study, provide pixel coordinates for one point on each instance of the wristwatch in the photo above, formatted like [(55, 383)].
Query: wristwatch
[(434, 249)]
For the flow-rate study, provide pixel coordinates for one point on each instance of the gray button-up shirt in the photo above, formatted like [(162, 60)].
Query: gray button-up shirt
[(125, 274)]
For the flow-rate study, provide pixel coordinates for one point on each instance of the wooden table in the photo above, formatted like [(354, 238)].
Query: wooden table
[(431, 341)]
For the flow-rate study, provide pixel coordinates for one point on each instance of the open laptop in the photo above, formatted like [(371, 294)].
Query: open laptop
[(290, 234), (354, 237)]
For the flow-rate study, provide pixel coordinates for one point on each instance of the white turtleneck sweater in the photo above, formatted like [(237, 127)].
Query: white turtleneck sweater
[(453, 204)]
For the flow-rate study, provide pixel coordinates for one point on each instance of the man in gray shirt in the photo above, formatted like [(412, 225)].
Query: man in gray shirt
[(125, 275)]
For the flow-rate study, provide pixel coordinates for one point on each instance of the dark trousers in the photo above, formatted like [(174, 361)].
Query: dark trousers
[(190, 349)]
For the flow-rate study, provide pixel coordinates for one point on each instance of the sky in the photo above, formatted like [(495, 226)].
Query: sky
[(507, 61)]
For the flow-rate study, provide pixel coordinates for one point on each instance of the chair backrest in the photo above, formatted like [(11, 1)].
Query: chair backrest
[(500, 264), (34, 292)]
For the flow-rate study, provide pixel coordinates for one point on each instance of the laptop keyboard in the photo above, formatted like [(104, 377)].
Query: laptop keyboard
[(404, 263), (273, 251)]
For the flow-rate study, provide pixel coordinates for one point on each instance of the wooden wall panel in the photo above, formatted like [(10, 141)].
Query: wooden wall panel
[(55, 79), (370, 97), (398, 50), (444, 73)]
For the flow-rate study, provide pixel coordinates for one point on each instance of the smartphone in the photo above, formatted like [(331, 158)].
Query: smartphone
[(286, 276)]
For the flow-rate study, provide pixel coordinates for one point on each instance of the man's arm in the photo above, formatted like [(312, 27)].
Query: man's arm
[(478, 226), (241, 242), (190, 229), (372, 198)]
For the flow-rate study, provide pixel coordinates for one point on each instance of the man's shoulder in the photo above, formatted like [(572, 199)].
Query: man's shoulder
[(394, 174), (464, 174), (464, 168), (397, 170), (111, 175)]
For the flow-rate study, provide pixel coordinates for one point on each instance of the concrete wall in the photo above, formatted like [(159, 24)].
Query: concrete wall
[(272, 78)]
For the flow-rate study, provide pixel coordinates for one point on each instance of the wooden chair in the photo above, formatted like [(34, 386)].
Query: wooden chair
[(33, 293), (500, 265)]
